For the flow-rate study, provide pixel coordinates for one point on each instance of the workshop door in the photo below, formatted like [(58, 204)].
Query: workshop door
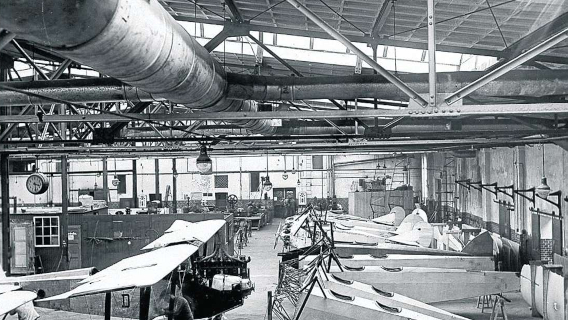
[(535, 237), (221, 199), (557, 236), (74, 246), (504, 222), (21, 236), (279, 197)]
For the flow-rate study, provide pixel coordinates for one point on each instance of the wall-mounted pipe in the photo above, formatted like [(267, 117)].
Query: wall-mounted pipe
[(242, 87), (135, 132), (134, 41)]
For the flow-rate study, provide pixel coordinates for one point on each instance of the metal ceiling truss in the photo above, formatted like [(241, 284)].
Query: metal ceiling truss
[(449, 112), (368, 40), (66, 122)]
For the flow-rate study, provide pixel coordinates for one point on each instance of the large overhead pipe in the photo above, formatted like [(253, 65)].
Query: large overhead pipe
[(515, 84), (134, 41)]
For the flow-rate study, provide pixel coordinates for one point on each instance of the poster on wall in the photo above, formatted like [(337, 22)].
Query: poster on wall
[(302, 199), (142, 201)]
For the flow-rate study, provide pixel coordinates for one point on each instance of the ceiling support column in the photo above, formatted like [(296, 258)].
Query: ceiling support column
[(157, 176), (174, 185), (134, 184), (5, 185), (64, 220), (105, 180), (5, 181), (431, 55)]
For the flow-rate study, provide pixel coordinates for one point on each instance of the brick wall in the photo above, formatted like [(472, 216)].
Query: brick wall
[(546, 250)]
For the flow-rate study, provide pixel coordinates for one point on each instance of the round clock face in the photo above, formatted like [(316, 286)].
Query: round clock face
[(36, 183)]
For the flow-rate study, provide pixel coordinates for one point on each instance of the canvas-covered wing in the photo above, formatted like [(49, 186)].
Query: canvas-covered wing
[(76, 274), (13, 299), (8, 288), (139, 271), (183, 231)]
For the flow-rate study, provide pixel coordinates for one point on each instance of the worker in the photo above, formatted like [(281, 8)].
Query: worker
[(181, 310), (26, 312), (418, 211)]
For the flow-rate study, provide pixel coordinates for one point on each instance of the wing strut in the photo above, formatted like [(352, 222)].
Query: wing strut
[(145, 302), (108, 302)]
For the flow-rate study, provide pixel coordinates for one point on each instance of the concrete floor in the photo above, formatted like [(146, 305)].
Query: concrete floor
[(264, 273)]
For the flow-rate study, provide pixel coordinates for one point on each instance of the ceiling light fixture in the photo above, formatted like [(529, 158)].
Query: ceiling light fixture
[(203, 162), (267, 185), (543, 189)]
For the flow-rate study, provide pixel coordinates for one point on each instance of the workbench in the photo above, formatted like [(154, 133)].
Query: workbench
[(257, 221)]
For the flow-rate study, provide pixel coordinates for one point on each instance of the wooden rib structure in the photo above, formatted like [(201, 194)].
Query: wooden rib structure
[(424, 261), (379, 249), (328, 305), (433, 284), (358, 289)]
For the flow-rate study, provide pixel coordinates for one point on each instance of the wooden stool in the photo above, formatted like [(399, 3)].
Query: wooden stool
[(499, 308), (484, 302)]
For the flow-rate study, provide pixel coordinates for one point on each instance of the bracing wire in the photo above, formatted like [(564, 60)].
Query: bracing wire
[(497, 23)]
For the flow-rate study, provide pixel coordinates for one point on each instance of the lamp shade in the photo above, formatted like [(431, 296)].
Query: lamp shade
[(285, 176), (267, 184), (203, 162), (543, 189)]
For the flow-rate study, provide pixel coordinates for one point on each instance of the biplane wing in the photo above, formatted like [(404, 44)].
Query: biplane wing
[(8, 287), (76, 274), (10, 300), (183, 232), (178, 243), (142, 270)]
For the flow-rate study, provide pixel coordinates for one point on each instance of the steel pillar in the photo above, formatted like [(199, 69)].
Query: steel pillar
[(5, 185), (105, 179), (135, 183), (157, 175), (339, 37), (174, 185), (510, 65), (64, 219), (431, 54)]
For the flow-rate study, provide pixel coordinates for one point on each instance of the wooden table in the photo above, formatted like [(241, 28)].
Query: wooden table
[(257, 221)]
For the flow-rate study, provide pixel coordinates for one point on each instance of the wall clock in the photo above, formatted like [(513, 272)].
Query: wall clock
[(37, 183)]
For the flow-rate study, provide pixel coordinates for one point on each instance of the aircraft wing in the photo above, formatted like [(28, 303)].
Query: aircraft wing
[(8, 287), (142, 270), (13, 299), (182, 231), (76, 274)]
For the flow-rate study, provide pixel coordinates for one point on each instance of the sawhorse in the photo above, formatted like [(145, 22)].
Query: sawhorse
[(499, 308)]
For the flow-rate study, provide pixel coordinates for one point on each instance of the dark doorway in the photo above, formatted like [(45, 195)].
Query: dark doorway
[(221, 200), (504, 221), (280, 195)]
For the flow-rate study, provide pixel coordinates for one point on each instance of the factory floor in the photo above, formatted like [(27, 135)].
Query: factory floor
[(264, 273)]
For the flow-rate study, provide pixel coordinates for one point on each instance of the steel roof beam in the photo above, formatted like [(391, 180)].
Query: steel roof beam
[(368, 40), (534, 38), (346, 42), (381, 18), (235, 12), (508, 66), (468, 110), (289, 66)]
